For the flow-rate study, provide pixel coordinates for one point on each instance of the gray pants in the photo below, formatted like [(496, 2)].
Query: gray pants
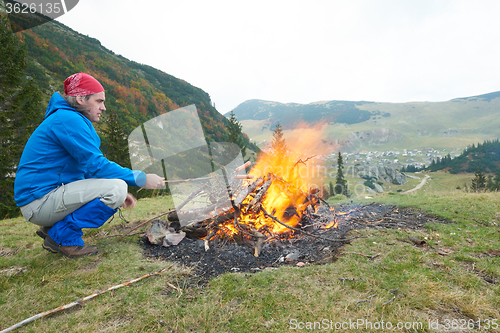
[(64, 200)]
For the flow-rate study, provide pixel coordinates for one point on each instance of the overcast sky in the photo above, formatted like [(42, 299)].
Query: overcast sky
[(307, 51)]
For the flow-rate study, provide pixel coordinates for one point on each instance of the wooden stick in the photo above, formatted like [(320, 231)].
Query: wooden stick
[(241, 167), (207, 178), (79, 301), (192, 179)]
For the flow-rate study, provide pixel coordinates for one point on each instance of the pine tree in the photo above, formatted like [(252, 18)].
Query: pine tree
[(279, 146), (234, 133), (490, 185), (117, 143), (20, 112), (479, 181), (496, 182), (341, 182)]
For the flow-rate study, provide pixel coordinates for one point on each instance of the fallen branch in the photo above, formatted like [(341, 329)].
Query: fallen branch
[(79, 301), (368, 299)]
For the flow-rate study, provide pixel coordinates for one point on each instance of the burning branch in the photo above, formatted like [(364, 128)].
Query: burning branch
[(303, 162)]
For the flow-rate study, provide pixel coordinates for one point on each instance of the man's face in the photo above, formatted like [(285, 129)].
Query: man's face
[(95, 104)]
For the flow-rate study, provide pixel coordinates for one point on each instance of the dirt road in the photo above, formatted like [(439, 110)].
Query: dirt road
[(419, 186)]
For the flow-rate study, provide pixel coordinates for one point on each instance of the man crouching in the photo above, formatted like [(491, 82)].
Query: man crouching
[(63, 182)]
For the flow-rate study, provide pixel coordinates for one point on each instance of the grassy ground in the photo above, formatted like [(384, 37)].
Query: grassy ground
[(453, 279)]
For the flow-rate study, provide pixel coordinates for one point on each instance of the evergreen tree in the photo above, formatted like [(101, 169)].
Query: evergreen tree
[(490, 185), (20, 112), (496, 182), (234, 133), (479, 181), (279, 146), (117, 143), (331, 189), (341, 182)]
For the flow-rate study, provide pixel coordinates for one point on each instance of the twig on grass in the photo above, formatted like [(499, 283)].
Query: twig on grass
[(393, 292), (391, 300), (368, 299), (80, 300), (348, 279), (176, 288), (373, 256)]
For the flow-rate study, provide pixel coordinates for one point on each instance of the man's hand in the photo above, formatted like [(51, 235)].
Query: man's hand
[(130, 201), (153, 181)]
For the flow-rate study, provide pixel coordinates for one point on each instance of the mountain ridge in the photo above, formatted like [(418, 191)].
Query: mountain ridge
[(364, 125)]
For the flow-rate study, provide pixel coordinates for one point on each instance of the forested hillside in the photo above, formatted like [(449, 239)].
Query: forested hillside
[(134, 91), (47, 54), (485, 156)]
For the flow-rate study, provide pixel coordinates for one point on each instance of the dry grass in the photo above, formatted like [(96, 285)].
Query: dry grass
[(403, 284)]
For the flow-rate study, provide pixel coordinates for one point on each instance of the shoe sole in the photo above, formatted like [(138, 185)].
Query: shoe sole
[(41, 234), (49, 247)]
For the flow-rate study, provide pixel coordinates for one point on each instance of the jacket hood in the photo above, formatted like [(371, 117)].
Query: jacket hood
[(57, 102)]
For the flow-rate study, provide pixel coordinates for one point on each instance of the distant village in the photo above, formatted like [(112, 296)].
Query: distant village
[(398, 158), (380, 168)]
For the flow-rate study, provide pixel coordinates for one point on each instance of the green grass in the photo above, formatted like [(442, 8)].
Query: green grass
[(404, 283)]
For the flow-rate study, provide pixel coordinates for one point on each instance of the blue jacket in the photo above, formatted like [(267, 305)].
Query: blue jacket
[(64, 149)]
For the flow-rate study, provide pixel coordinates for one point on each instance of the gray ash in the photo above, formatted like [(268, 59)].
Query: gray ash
[(226, 256)]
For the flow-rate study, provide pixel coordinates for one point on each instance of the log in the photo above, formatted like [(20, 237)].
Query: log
[(254, 204), (250, 189)]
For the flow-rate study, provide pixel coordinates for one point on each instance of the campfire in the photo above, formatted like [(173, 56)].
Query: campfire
[(279, 199)]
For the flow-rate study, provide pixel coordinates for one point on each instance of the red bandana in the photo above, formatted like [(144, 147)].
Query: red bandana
[(81, 84)]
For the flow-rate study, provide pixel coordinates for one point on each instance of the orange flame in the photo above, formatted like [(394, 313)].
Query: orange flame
[(293, 177)]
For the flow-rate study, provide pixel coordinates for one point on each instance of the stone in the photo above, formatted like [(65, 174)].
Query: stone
[(160, 233)]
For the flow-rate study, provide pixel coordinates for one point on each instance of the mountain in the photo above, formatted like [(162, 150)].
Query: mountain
[(381, 126), (136, 92)]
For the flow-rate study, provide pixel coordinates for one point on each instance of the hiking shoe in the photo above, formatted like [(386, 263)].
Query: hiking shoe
[(74, 251), (43, 232)]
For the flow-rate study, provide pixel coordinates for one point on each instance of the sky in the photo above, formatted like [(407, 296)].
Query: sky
[(307, 51)]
